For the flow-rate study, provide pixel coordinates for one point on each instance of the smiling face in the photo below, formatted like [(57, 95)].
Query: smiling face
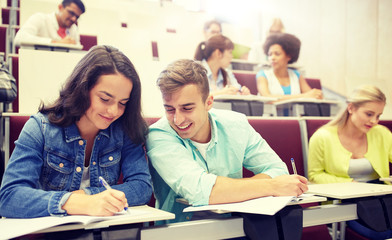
[(365, 116), (278, 57), (69, 15), (187, 113), (108, 99)]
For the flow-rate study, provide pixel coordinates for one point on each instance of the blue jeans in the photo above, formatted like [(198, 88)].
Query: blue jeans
[(367, 232)]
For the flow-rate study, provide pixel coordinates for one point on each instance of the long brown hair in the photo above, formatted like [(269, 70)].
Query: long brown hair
[(206, 48), (74, 99)]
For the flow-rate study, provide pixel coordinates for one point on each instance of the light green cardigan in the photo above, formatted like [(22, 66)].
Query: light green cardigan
[(328, 160)]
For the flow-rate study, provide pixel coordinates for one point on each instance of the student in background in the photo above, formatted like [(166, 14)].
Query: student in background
[(353, 147), (212, 28), (95, 128), (216, 56), (198, 153), (59, 27), (256, 53), (280, 81)]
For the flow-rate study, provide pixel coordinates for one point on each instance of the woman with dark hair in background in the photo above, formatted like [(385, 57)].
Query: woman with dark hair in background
[(95, 128), (216, 56), (280, 81)]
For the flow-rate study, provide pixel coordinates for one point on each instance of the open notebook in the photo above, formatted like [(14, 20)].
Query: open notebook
[(13, 227), (264, 205)]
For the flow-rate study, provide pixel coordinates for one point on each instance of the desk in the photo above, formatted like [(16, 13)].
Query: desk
[(250, 105), (348, 190), (233, 227), (61, 47), (148, 214), (307, 107)]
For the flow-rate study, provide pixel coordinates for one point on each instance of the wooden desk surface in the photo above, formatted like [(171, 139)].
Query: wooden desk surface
[(349, 190)]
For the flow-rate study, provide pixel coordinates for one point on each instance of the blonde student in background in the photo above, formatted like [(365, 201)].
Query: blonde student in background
[(353, 147)]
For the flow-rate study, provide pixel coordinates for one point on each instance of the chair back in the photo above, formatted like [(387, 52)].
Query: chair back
[(284, 137), (248, 79)]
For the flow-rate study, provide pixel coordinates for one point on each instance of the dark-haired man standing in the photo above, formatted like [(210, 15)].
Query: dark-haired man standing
[(58, 27)]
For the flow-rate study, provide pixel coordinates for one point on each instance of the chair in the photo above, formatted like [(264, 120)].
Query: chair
[(248, 79), (314, 82), (9, 3), (274, 131), (5, 15), (3, 38), (88, 41), (16, 125), (14, 67)]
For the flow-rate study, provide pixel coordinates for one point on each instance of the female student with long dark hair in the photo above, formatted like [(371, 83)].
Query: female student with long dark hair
[(216, 55), (94, 128)]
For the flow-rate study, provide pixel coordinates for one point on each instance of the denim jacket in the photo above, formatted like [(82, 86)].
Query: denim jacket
[(47, 165)]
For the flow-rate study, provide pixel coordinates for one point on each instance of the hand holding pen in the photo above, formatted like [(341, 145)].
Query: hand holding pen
[(107, 186)]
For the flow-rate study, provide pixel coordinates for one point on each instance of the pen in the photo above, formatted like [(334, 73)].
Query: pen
[(293, 165), (107, 186)]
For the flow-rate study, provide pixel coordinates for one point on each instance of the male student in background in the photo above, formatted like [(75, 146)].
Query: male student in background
[(58, 27), (198, 153)]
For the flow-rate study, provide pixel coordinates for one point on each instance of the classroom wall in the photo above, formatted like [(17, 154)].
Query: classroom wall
[(344, 42)]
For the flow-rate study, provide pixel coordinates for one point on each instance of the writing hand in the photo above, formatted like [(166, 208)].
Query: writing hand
[(290, 185), (106, 203)]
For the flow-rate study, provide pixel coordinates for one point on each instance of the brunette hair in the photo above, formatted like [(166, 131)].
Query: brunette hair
[(74, 99), (77, 2), (206, 48), (181, 73), (290, 44)]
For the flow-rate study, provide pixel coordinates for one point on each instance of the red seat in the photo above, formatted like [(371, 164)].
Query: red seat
[(9, 3), (278, 133), (5, 15), (314, 82), (3, 38), (248, 79), (284, 137), (88, 41), (15, 73), (16, 125)]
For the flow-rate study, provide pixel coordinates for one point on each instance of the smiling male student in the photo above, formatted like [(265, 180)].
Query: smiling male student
[(198, 153)]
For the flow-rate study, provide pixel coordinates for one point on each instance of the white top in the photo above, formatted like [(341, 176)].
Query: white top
[(274, 85), (361, 170), (42, 28), (85, 178), (202, 148)]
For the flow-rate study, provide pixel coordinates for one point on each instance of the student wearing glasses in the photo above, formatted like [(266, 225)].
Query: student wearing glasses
[(58, 27)]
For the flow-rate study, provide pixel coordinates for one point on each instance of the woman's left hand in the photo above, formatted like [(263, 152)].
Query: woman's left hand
[(245, 90)]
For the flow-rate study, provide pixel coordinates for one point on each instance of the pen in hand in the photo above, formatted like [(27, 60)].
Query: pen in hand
[(107, 186), (293, 165)]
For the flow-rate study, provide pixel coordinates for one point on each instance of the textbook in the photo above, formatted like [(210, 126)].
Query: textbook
[(14, 227), (263, 205)]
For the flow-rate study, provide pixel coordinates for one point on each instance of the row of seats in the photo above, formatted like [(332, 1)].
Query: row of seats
[(288, 137), (248, 79)]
